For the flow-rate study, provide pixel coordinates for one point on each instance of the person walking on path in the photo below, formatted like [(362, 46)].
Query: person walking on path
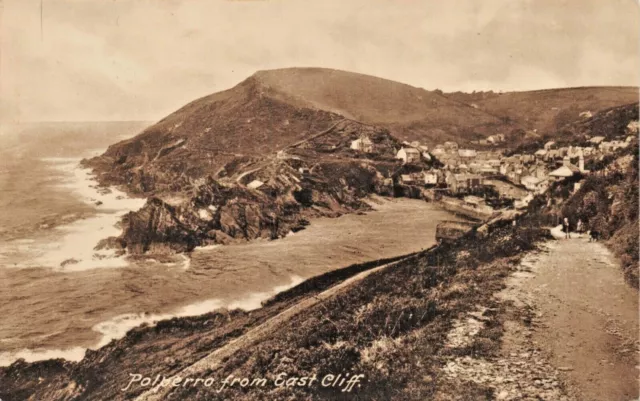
[(579, 226), (565, 223)]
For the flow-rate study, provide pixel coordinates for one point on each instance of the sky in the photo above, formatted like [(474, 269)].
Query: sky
[(102, 60)]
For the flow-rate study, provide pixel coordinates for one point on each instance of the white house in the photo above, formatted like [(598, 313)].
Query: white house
[(430, 178), (567, 170), (596, 140), (535, 184), (467, 153), (408, 155), (541, 153), (362, 144), (407, 179), (255, 184)]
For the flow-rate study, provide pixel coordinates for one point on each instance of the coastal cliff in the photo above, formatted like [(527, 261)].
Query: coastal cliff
[(255, 197)]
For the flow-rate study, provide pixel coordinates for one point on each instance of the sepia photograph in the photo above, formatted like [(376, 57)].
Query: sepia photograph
[(272, 200)]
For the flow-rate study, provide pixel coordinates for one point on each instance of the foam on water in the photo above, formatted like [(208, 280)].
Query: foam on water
[(254, 300), (70, 354), (74, 250), (118, 326)]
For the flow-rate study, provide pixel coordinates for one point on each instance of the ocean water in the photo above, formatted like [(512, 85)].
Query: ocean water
[(59, 296)]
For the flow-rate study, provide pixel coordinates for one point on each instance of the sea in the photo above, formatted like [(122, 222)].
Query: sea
[(59, 296)]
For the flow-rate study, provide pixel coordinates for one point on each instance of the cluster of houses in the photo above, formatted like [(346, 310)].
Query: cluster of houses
[(465, 169)]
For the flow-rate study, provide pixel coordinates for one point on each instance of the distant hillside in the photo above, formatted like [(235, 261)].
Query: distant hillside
[(547, 110), (609, 123)]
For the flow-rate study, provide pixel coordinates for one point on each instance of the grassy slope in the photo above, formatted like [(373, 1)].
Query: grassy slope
[(549, 110)]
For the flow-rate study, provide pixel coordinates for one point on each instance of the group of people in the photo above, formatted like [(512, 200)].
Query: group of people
[(593, 235)]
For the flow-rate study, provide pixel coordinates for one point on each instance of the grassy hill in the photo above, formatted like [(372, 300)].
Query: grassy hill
[(547, 110), (273, 109)]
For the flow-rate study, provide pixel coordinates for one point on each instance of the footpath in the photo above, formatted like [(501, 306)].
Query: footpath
[(570, 330)]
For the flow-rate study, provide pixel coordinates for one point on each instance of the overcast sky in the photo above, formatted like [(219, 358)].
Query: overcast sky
[(142, 59)]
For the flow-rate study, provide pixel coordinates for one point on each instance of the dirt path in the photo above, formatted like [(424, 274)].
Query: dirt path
[(214, 359), (570, 330), (589, 319)]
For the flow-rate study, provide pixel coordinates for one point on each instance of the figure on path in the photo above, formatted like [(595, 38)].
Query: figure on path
[(565, 223)]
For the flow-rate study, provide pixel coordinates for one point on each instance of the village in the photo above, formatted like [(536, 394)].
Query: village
[(487, 179)]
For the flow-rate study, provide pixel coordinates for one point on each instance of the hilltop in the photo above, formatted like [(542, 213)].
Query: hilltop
[(273, 109)]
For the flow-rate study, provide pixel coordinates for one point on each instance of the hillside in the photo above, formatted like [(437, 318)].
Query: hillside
[(547, 110), (258, 197), (273, 109)]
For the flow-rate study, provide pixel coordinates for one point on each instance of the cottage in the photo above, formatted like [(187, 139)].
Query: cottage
[(467, 153), (612, 145), (474, 181), (408, 155), (451, 181), (473, 201), (528, 158), (503, 168), (529, 182), (574, 151), (567, 170), (461, 180), (596, 140), (475, 167), (430, 178), (633, 127), (487, 169), (255, 184), (549, 145), (407, 179), (362, 144), (541, 153), (538, 171), (423, 148)]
